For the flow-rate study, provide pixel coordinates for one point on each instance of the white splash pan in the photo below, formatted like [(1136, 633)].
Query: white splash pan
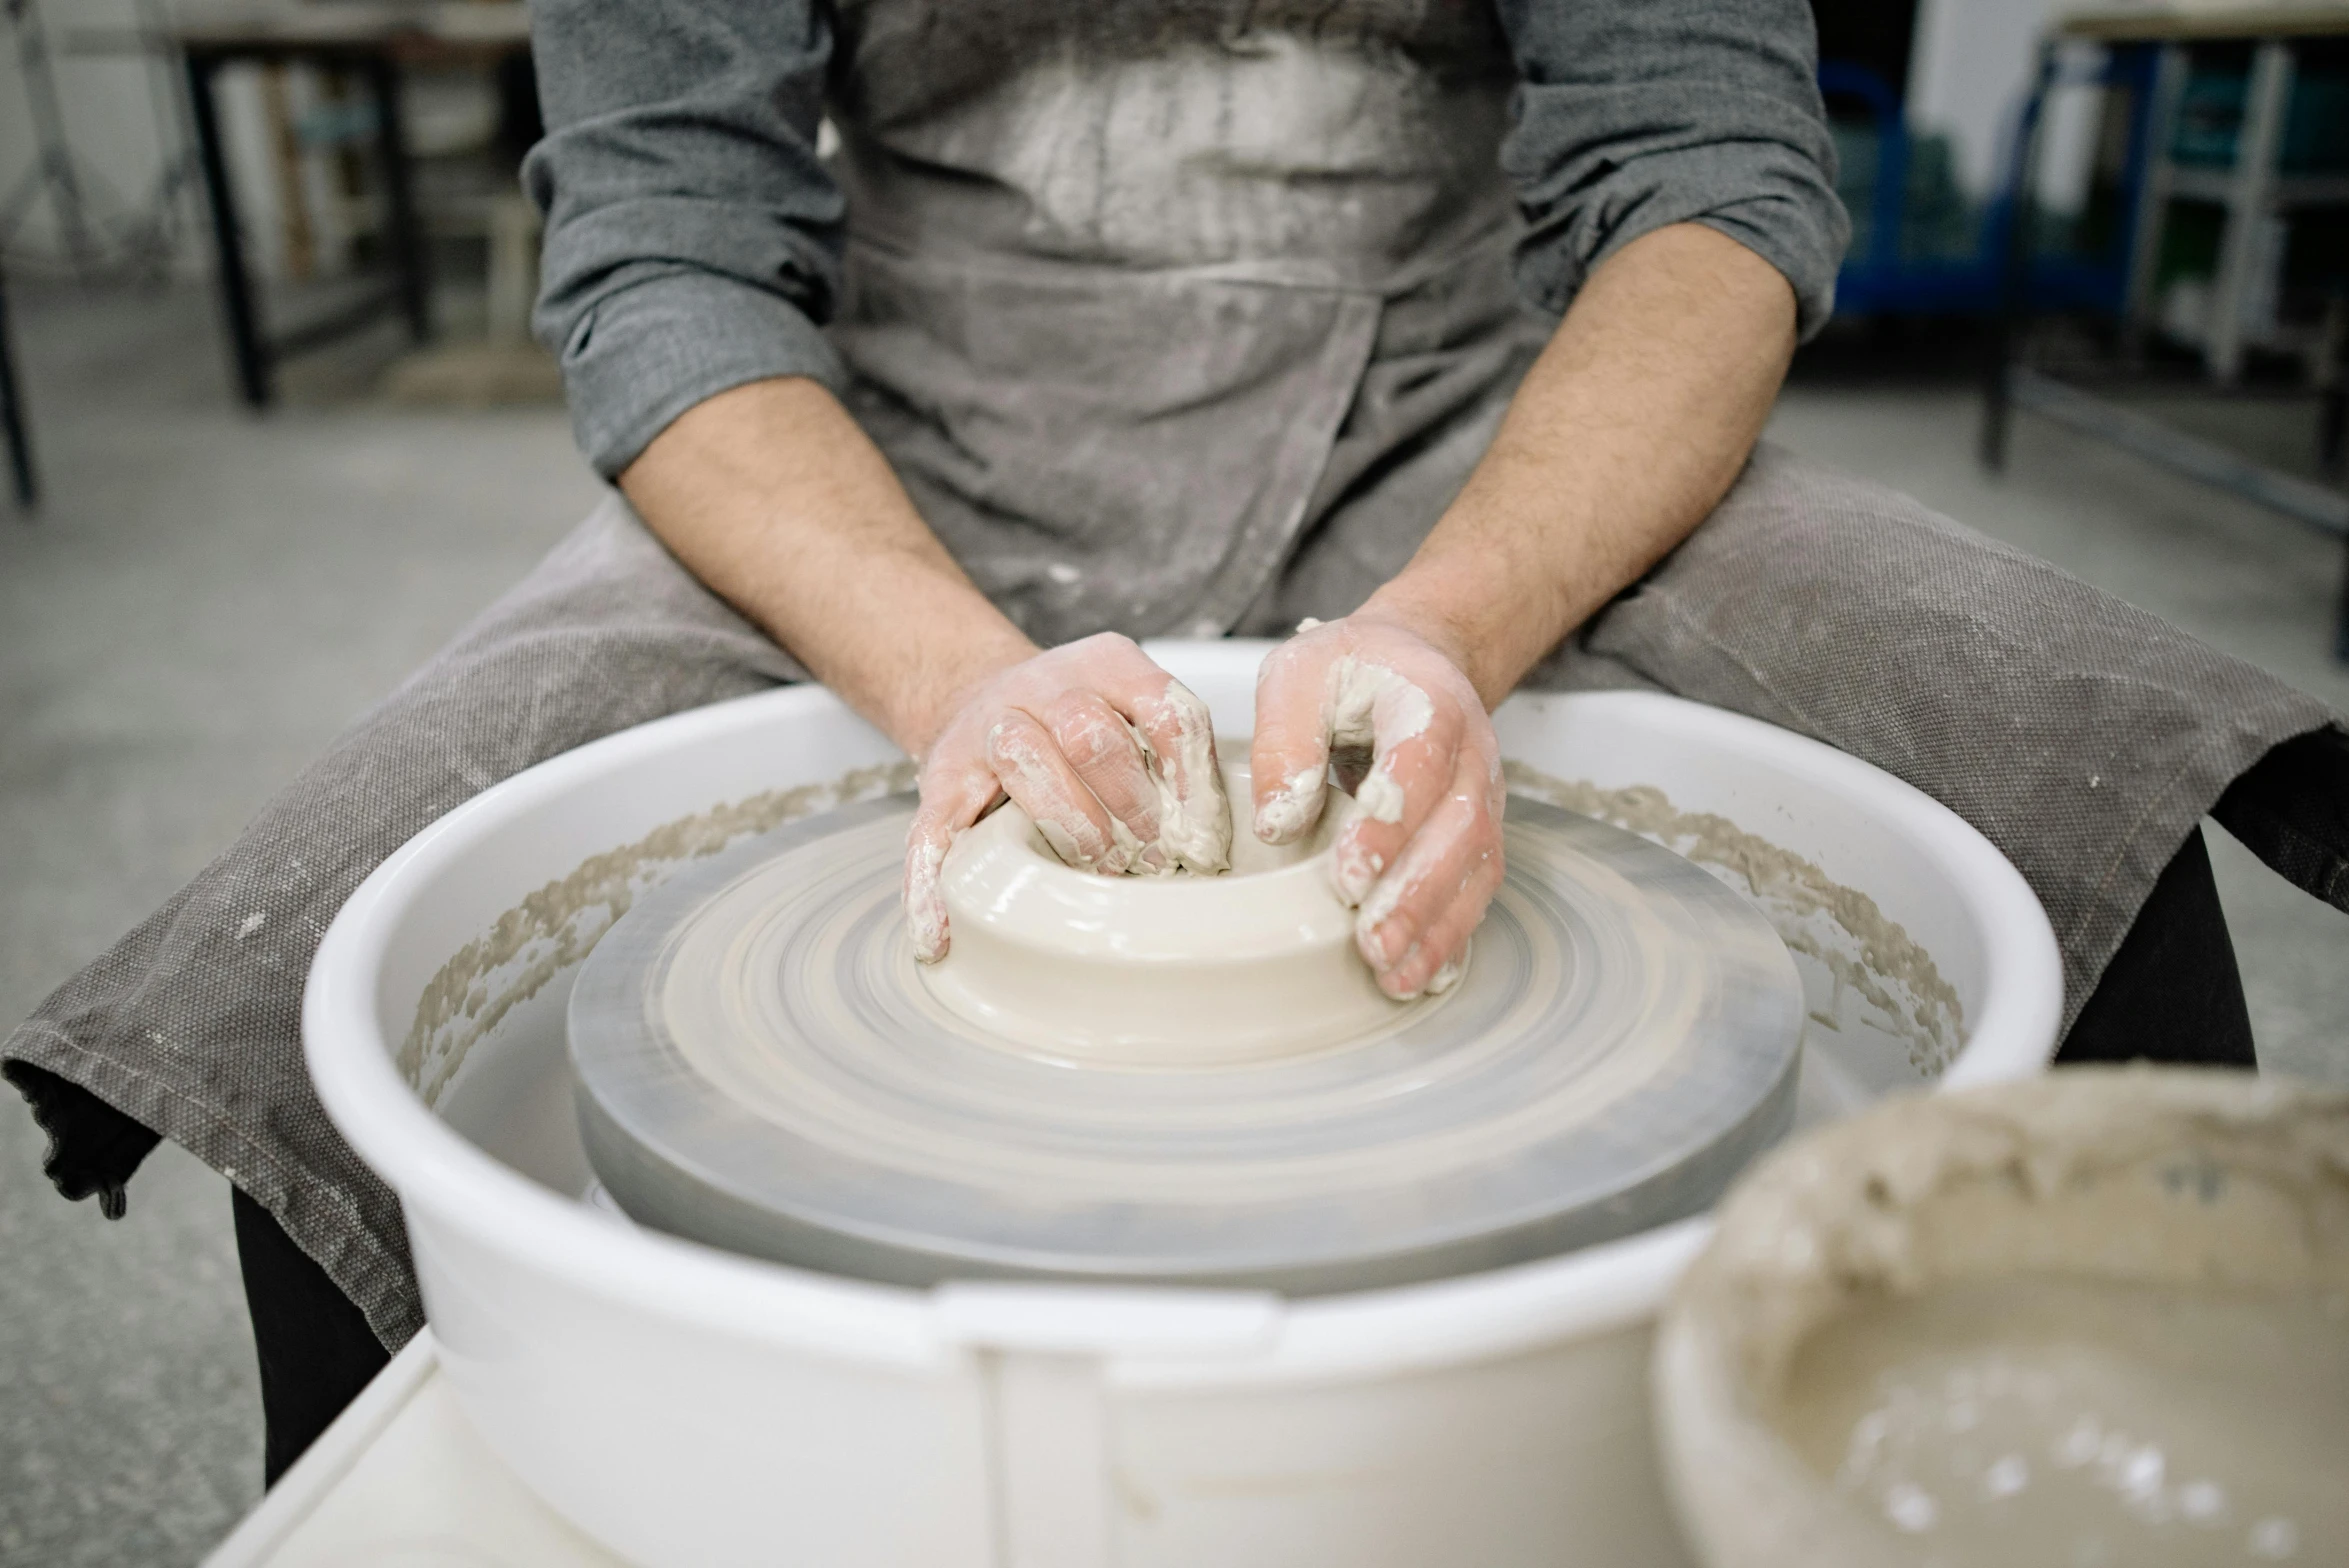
[(689, 1407)]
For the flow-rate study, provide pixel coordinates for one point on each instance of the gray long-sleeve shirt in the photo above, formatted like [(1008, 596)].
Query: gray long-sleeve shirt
[(694, 237)]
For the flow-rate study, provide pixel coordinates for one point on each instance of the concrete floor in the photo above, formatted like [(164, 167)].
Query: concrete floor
[(206, 599), (209, 597)]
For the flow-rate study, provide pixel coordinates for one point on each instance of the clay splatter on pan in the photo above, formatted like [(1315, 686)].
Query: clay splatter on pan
[(1869, 954), (556, 926)]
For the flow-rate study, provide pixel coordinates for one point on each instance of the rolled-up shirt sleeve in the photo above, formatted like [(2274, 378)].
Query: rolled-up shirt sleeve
[(1634, 114), (692, 235)]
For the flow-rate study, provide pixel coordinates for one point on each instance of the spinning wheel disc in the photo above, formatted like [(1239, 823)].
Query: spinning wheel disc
[(760, 1067)]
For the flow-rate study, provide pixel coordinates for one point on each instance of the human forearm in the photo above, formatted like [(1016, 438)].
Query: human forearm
[(1625, 434), (772, 495), (1682, 141)]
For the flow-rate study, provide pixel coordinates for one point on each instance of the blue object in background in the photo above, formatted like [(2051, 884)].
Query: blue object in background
[(1920, 247), (1897, 264)]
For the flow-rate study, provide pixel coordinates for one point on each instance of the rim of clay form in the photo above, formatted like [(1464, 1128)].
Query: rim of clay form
[(1253, 965), (2169, 1177)]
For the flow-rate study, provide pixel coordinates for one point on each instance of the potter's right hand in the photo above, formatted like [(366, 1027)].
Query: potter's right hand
[(1113, 758), (1422, 859)]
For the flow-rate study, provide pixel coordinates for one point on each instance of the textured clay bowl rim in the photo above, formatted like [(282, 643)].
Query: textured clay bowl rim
[(2079, 1165)]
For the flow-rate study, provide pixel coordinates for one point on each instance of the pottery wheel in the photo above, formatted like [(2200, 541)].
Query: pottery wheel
[(761, 1067)]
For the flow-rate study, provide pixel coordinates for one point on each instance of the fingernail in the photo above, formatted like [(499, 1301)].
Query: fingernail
[(1390, 945), (1399, 967), (1357, 873), (1289, 810), (1277, 819)]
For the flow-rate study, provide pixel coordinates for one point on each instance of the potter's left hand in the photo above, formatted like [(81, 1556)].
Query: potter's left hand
[(1423, 857)]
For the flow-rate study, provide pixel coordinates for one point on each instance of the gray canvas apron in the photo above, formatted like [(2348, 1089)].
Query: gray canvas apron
[(1168, 330), (1117, 279)]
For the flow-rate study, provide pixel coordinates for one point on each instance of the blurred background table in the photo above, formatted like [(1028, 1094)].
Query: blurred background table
[(371, 45), (2227, 126)]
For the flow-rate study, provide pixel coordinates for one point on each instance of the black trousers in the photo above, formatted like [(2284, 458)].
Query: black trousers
[(315, 1348), (2172, 993)]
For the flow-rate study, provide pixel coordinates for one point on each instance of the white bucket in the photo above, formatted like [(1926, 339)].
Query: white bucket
[(687, 1406)]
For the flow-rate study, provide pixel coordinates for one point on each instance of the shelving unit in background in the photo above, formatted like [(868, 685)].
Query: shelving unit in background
[(18, 438), (2241, 161), (2234, 161)]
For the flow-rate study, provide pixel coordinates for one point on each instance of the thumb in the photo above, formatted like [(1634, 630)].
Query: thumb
[(936, 824), (1289, 757)]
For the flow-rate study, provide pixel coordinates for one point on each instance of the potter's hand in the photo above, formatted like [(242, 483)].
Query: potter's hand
[(1422, 859), (1113, 758)]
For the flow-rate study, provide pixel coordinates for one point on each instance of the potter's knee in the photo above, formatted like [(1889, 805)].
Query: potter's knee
[(1782, 499), (1799, 532)]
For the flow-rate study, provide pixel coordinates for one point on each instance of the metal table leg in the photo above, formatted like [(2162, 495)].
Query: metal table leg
[(2258, 148), (2150, 209), (2013, 243), (236, 285), (12, 421), (2341, 624), (405, 234)]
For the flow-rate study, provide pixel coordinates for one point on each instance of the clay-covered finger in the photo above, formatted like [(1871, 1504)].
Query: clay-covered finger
[(1289, 756), (1417, 751), (1107, 755), (1034, 774), (1407, 903), (1431, 963), (1416, 888), (951, 802), (1194, 817), (1416, 923)]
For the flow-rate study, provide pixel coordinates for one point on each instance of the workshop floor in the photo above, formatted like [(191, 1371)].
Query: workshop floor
[(208, 597)]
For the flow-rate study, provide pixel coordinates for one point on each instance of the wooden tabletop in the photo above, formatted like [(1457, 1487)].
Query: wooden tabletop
[(437, 29), (2157, 21)]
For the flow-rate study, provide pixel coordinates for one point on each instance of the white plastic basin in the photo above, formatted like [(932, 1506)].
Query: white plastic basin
[(690, 1407)]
